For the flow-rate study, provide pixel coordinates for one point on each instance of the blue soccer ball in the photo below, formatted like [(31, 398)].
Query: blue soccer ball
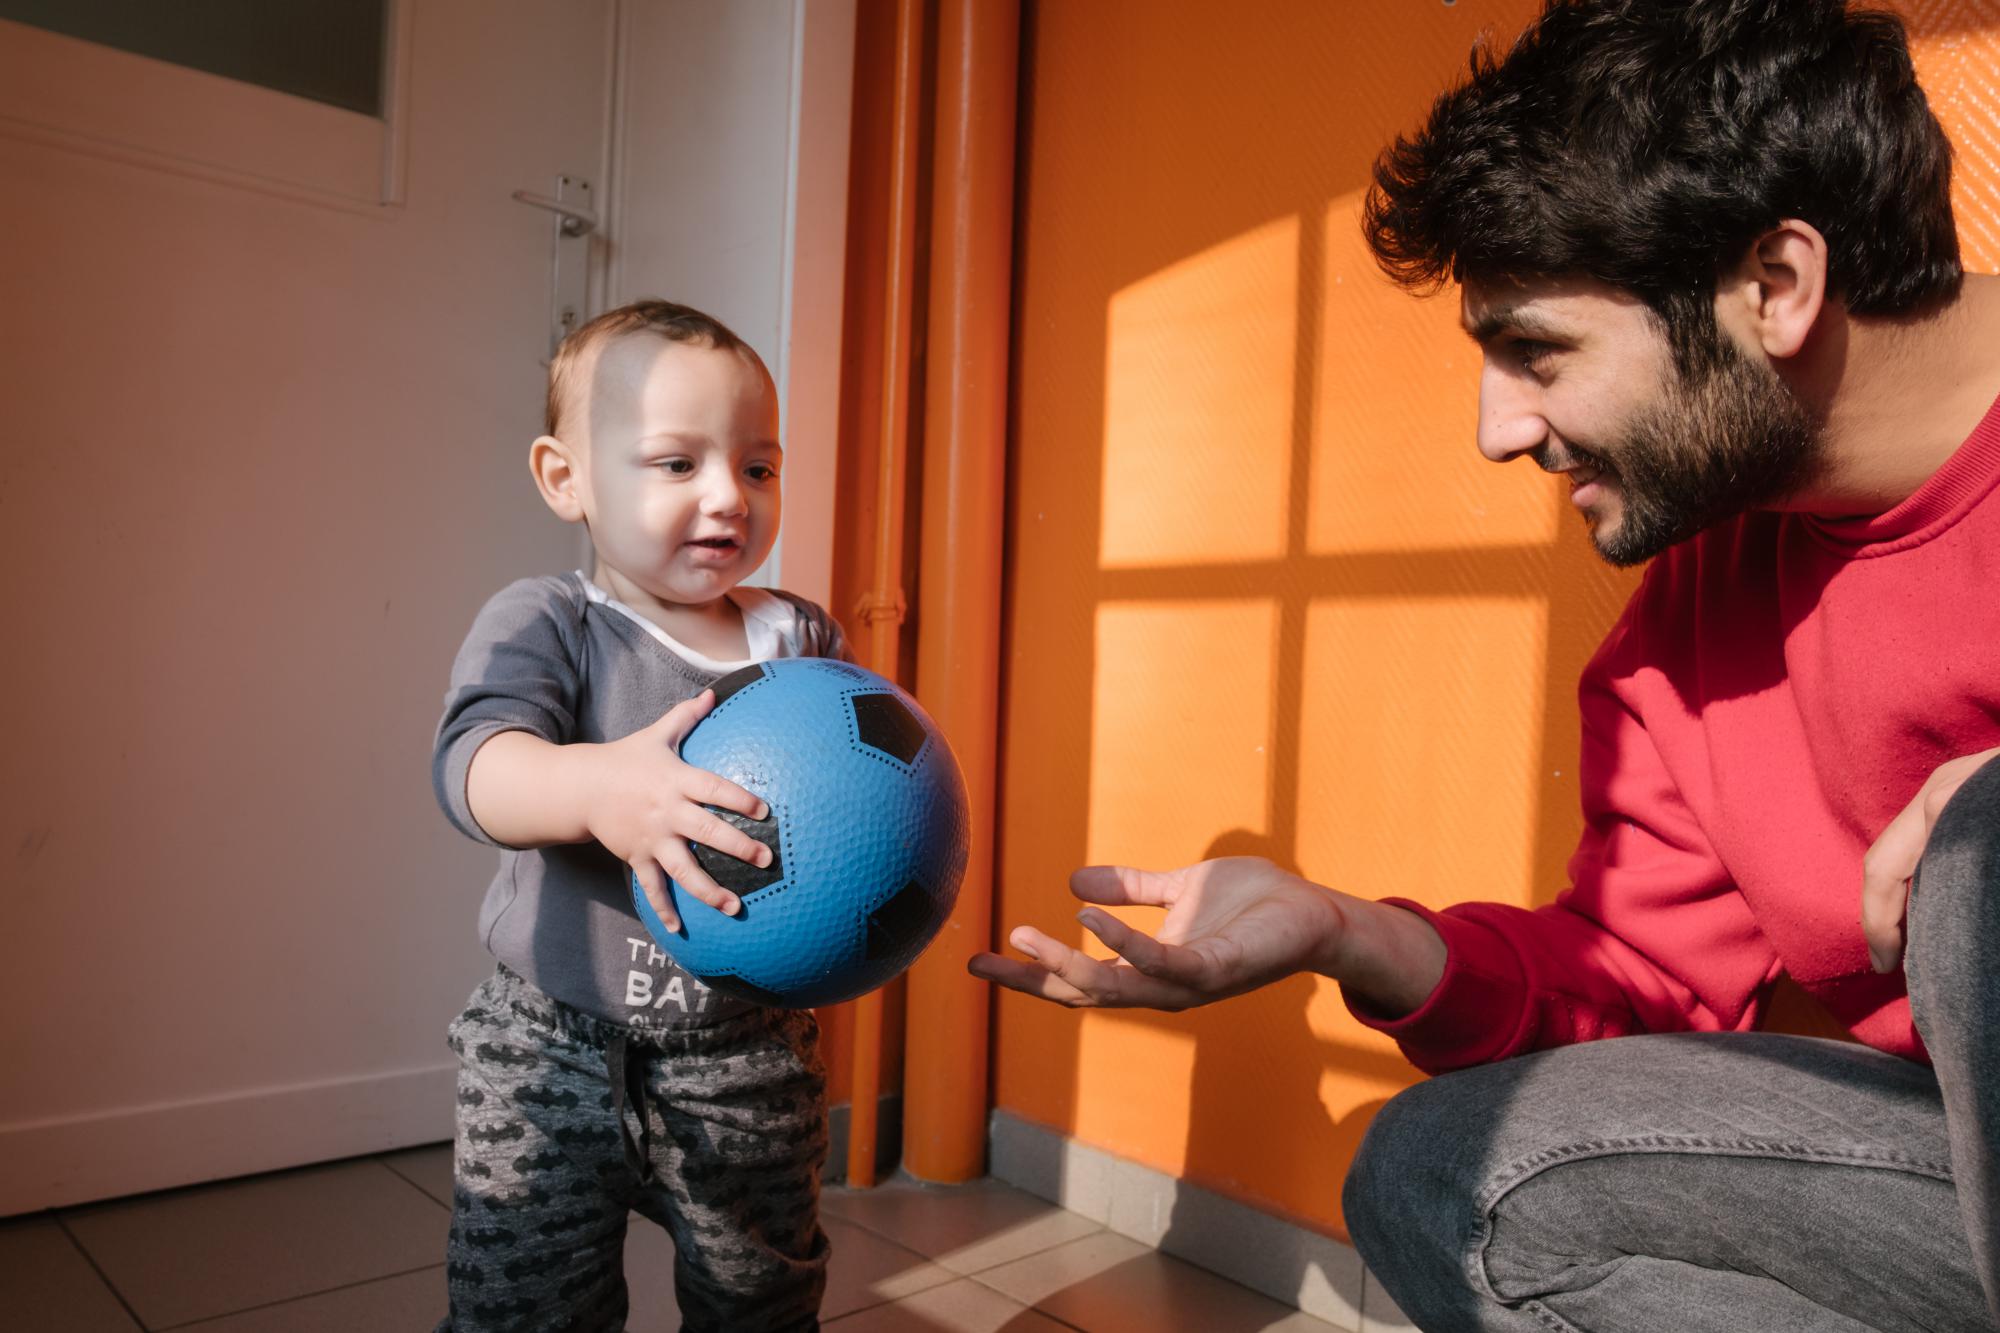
[(867, 827)]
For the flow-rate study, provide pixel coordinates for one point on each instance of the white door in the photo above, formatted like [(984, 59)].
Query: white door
[(265, 456)]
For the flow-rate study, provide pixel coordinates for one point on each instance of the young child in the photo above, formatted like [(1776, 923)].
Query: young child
[(595, 1076)]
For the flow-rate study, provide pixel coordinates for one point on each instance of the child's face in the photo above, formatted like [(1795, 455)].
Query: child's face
[(679, 463)]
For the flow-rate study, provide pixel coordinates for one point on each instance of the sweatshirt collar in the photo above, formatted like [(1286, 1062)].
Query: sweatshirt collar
[(1966, 478)]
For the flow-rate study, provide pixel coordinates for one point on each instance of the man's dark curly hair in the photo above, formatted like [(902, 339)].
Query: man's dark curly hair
[(1645, 143)]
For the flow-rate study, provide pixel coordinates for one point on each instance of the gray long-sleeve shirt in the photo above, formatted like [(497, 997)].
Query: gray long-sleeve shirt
[(546, 658)]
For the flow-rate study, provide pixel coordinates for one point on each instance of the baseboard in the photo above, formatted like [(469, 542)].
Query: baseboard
[(888, 1138), (1285, 1261), (81, 1159), (58, 1162)]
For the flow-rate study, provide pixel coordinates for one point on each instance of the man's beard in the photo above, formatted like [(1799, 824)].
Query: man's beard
[(1718, 442)]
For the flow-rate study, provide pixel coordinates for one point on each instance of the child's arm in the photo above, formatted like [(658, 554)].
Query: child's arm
[(507, 770), (824, 637), (634, 795)]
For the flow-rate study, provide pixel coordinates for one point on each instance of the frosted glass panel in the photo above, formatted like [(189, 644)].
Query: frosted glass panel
[(328, 50)]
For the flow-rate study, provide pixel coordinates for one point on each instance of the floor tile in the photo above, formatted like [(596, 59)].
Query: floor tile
[(649, 1278), (409, 1301), (359, 1245), (49, 1284), (964, 1306), (1379, 1313), (190, 1254), (868, 1269), (966, 1228), (1109, 1284), (428, 1168)]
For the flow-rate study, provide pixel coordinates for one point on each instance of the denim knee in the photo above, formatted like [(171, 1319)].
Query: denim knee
[(1953, 894), (1964, 845), (1409, 1196), (1953, 921), (1369, 1199)]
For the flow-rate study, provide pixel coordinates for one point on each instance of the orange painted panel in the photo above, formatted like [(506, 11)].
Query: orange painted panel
[(1133, 1074), (1181, 725), (1957, 48), (1397, 383), (1226, 418), (1421, 753), (1198, 404), (1246, 510)]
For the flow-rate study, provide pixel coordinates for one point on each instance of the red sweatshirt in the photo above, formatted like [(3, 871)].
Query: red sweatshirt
[(1777, 690)]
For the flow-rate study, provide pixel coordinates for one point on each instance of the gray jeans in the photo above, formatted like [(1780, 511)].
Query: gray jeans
[(1684, 1183)]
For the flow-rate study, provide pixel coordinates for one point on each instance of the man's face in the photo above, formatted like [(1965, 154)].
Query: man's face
[(1578, 375)]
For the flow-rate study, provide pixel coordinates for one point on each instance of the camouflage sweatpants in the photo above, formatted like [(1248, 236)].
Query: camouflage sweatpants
[(566, 1122)]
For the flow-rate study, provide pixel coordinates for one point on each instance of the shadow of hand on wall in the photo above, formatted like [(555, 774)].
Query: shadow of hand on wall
[(1256, 1088)]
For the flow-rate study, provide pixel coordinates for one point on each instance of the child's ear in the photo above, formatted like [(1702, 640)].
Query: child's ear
[(557, 477)]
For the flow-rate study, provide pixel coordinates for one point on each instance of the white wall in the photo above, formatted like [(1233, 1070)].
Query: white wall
[(265, 457), (730, 150)]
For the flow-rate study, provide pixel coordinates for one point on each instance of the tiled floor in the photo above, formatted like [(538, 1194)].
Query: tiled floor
[(357, 1247)]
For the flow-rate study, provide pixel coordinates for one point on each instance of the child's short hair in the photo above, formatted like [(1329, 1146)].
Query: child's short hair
[(675, 323)]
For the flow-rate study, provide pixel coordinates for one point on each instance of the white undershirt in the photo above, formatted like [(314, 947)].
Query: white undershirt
[(771, 624)]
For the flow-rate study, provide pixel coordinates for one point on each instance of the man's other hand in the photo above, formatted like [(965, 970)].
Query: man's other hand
[(1889, 864)]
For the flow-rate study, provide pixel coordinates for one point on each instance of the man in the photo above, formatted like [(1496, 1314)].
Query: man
[(1707, 252)]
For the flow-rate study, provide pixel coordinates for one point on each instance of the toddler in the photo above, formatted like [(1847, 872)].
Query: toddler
[(595, 1076)]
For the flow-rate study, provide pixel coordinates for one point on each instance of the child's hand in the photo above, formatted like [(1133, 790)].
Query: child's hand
[(645, 804)]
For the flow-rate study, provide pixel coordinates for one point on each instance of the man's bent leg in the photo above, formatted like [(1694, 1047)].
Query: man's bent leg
[(1953, 935), (1684, 1182)]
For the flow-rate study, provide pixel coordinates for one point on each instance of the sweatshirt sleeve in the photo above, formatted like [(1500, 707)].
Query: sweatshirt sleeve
[(823, 633), (833, 639), (517, 671), (1651, 936)]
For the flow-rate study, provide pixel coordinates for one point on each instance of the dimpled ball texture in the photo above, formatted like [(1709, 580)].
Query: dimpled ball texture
[(867, 825)]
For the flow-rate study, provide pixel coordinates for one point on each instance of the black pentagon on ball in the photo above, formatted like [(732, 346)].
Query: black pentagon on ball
[(740, 877), (909, 917), (736, 680), (743, 990), (884, 724)]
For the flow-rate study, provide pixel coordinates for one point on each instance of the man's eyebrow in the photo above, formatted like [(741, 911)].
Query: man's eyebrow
[(1516, 320)]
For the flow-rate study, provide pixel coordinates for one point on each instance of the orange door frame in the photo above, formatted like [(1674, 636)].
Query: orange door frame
[(962, 535), (883, 608)]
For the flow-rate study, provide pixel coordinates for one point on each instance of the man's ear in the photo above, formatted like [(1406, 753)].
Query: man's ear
[(557, 477), (1774, 295)]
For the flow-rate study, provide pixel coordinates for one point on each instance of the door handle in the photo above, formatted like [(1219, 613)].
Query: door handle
[(569, 251), (575, 221)]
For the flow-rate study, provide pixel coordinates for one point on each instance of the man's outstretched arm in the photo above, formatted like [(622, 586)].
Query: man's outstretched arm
[(1232, 925)]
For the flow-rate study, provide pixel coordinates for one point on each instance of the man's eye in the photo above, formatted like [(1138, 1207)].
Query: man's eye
[(1532, 355)]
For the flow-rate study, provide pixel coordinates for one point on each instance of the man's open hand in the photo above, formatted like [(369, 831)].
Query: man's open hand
[(1232, 925), (1889, 864)]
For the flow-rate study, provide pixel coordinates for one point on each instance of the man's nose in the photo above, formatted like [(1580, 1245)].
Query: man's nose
[(1510, 414)]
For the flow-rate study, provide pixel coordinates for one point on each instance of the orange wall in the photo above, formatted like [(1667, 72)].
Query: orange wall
[(1263, 594)]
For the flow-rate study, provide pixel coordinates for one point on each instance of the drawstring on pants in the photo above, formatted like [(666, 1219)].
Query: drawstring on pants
[(628, 1084)]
